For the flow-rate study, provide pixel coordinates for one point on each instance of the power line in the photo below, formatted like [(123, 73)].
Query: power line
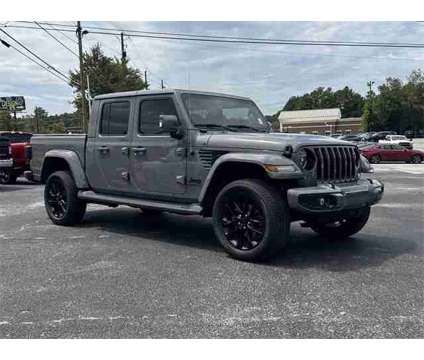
[(34, 61), (35, 55), (290, 53), (54, 37), (63, 34), (241, 40), (330, 55)]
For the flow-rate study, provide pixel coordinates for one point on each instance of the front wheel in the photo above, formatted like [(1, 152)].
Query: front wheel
[(375, 159), (251, 219), (343, 228), (61, 200)]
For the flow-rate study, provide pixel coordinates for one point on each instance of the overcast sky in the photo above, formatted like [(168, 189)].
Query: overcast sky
[(270, 74)]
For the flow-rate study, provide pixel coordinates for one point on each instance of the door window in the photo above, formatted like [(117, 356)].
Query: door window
[(150, 110), (115, 118), (397, 147)]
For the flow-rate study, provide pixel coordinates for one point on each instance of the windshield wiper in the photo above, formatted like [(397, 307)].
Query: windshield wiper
[(214, 126), (245, 127)]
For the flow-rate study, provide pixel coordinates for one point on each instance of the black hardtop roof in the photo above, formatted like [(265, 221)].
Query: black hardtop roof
[(163, 92)]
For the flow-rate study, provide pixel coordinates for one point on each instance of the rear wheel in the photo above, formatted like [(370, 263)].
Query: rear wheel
[(251, 219), (61, 200), (375, 159), (416, 159), (343, 228), (7, 176)]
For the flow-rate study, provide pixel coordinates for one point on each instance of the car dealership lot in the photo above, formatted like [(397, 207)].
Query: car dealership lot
[(122, 275)]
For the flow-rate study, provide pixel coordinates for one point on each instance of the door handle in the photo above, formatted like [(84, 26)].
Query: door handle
[(124, 150), (139, 150), (103, 149)]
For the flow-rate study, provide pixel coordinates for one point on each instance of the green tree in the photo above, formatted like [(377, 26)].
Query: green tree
[(398, 106), (40, 118), (414, 101), (5, 121), (350, 102), (106, 75)]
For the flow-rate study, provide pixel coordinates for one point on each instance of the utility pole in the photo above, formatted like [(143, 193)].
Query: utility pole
[(37, 123), (370, 101), (123, 52), (145, 79), (82, 79), (370, 84)]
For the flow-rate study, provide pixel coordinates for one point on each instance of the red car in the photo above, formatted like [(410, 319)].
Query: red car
[(385, 152), (21, 152)]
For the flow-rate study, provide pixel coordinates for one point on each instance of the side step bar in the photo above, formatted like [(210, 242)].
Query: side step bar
[(103, 199)]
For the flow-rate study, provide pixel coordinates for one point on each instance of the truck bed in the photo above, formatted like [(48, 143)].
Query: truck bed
[(41, 144)]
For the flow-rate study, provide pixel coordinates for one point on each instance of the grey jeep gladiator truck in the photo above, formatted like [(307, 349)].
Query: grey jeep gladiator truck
[(209, 154)]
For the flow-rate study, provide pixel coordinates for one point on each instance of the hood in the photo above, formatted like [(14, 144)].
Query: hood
[(268, 141)]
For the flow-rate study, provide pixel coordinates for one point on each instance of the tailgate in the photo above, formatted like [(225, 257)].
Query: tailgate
[(4, 148)]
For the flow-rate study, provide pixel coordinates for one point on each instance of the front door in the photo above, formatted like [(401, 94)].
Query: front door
[(399, 153), (108, 152), (157, 160)]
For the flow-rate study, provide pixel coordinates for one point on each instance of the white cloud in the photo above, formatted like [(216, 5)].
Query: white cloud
[(269, 73)]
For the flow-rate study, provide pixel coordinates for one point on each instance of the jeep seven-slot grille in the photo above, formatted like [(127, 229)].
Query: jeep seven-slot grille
[(208, 157), (335, 163)]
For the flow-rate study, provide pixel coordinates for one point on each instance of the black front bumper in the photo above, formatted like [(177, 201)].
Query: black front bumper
[(325, 198)]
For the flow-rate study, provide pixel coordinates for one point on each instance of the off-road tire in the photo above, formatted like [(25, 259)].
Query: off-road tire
[(74, 208), (269, 202), (346, 228)]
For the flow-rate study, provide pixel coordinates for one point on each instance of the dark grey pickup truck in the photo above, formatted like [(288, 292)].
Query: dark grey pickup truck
[(209, 154)]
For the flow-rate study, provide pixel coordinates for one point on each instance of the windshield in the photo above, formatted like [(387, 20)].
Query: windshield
[(223, 112)]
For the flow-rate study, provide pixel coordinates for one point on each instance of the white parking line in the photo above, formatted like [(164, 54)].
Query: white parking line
[(415, 169)]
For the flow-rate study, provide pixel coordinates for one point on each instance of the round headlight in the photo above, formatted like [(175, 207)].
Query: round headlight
[(305, 159)]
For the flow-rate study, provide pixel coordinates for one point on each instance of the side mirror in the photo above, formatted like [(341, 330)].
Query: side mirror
[(269, 125), (169, 123)]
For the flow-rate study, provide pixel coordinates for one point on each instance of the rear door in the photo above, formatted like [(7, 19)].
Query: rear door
[(109, 166)]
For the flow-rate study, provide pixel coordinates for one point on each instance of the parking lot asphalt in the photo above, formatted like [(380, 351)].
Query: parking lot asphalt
[(122, 275)]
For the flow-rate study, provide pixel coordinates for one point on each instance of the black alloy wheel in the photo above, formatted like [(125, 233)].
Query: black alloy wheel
[(251, 219), (61, 199), (56, 199), (243, 220)]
